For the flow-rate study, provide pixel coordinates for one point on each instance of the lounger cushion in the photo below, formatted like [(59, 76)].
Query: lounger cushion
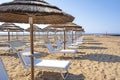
[(68, 51), (79, 42), (49, 64), (72, 47), (55, 64), (27, 52), (52, 50), (65, 51)]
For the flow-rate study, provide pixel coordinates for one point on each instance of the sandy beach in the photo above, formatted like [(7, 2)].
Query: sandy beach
[(98, 58)]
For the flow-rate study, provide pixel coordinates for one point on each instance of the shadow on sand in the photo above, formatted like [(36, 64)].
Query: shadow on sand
[(96, 57), (4, 45), (9, 54), (100, 57), (76, 77), (92, 47), (57, 76), (118, 43), (88, 39), (93, 43)]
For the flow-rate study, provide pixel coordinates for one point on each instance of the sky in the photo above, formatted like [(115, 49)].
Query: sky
[(96, 16)]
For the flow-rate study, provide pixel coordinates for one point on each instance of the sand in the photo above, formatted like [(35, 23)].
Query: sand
[(98, 58)]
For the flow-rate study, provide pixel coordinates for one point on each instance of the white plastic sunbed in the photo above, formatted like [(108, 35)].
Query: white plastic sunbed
[(16, 44), (77, 42), (58, 65), (60, 46), (3, 72), (68, 51)]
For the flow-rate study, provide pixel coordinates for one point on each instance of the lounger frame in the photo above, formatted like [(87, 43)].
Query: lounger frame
[(3, 72), (64, 77)]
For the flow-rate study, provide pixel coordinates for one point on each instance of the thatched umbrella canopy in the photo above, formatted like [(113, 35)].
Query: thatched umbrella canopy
[(32, 11), (35, 29), (42, 12), (10, 27), (66, 26), (52, 29), (47, 30), (80, 30)]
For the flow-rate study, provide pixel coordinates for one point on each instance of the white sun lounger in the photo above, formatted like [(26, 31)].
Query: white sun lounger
[(80, 39), (77, 42), (60, 46), (16, 44), (58, 65), (66, 51), (3, 72)]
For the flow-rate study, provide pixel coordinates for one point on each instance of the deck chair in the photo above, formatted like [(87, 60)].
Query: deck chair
[(79, 39), (58, 65), (3, 72), (65, 51), (77, 42), (60, 46), (17, 44)]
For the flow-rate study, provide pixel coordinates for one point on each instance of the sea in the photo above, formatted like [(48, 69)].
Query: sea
[(43, 33)]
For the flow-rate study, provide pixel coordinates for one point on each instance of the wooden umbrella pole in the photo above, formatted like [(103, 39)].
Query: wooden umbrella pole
[(34, 36), (39, 35), (72, 36), (17, 35), (12, 36), (55, 36), (47, 33), (32, 46), (23, 35), (64, 38), (75, 35), (8, 36)]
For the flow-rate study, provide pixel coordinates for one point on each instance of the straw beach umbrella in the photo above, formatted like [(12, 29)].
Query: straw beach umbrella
[(47, 30), (35, 29), (79, 30), (66, 26), (10, 27), (32, 11)]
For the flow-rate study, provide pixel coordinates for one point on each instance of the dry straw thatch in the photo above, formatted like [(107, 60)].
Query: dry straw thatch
[(79, 30), (68, 25), (48, 29), (32, 11), (10, 27), (36, 29), (41, 11)]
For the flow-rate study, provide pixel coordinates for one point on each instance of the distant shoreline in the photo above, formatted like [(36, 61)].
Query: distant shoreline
[(109, 34), (84, 34)]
